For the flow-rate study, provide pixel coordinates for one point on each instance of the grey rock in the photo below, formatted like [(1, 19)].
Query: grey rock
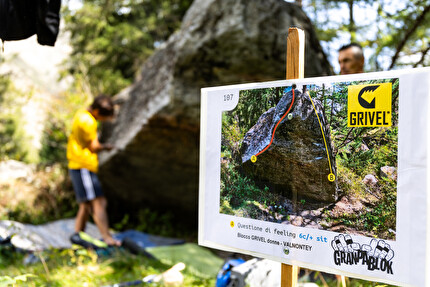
[(297, 221), (389, 172), (293, 165), (157, 129), (370, 180), (317, 212), (305, 213), (364, 147)]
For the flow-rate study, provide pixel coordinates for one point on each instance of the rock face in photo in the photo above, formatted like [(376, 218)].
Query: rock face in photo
[(157, 129), (296, 163)]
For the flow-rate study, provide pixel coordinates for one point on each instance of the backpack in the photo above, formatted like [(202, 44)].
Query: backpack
[(224, 277), (20, 19)]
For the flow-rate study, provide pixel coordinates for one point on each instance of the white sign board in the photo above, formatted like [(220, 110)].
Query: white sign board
[(330, 173)]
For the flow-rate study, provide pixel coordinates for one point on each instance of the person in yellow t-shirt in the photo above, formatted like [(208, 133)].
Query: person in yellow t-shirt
[(82, 148)]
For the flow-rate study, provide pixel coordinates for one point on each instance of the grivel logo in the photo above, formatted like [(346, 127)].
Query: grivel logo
[(376, 255), (369, 105)]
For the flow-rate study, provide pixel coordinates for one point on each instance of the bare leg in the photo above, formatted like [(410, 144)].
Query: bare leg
[(100, 218), (82, 216)]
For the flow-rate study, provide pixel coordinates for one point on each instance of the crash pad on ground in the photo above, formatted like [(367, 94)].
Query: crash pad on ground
[(40, 237), (57, 235), (200, 261), (144, 240)]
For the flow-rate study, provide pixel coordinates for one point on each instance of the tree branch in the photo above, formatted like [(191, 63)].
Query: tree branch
[(423, 56), (408, 34), (344, 141)]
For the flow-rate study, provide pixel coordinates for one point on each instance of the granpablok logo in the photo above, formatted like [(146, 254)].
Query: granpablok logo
[(376, 255), (369, 105)]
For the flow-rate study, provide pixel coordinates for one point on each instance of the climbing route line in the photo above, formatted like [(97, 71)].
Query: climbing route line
[(331, 176), (323, 135), (274, 130)]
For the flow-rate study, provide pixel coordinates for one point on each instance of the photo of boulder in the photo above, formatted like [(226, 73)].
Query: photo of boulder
[(290, 156)]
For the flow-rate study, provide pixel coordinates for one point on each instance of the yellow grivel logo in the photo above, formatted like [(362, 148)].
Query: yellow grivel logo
[(369, 105)]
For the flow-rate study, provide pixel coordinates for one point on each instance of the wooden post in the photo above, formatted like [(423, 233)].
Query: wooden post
[(289, 275), (295, 54), (295, 70)]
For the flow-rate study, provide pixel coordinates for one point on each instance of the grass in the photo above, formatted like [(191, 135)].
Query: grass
[(85, 268)]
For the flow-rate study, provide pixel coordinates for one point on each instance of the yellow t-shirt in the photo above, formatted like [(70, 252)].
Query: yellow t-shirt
[(84, 130)]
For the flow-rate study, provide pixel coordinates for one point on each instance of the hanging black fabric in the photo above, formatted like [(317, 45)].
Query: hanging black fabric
[(20, 19)]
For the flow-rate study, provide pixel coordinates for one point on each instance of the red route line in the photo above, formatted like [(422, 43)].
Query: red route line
[(274, 130)]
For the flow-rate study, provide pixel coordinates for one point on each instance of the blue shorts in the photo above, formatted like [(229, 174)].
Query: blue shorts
[(86, 184)]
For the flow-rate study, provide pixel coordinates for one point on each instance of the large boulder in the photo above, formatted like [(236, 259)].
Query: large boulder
[(157, 129), (293, 151)]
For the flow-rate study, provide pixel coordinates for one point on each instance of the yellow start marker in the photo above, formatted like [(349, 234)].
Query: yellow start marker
[(253, 158)]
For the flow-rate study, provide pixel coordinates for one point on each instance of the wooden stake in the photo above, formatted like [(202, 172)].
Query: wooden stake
[(295, 54), (295, 70), (289, 275)]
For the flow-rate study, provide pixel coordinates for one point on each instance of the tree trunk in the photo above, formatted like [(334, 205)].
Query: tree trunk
[(352, 28)]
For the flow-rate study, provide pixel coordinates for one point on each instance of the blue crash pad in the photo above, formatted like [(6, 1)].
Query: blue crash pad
[(145, 240)]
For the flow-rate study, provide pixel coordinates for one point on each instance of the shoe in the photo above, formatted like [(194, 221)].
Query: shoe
[(83, 239)]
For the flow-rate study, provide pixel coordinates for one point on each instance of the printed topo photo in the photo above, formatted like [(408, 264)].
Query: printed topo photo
[(319, 156)]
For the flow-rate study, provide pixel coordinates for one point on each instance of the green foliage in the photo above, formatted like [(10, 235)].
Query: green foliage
[(394, 32), (240, 196), (251, 103), (238, 192), (111, 39), (7, 280), (54, 143), (237, 189), (403, 35), (4, 86), (52, 193), (58, 126), (375, 148), (12, 136), (362, 151), (379, 218), (155, 223), (382, 218), (231, 137)]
